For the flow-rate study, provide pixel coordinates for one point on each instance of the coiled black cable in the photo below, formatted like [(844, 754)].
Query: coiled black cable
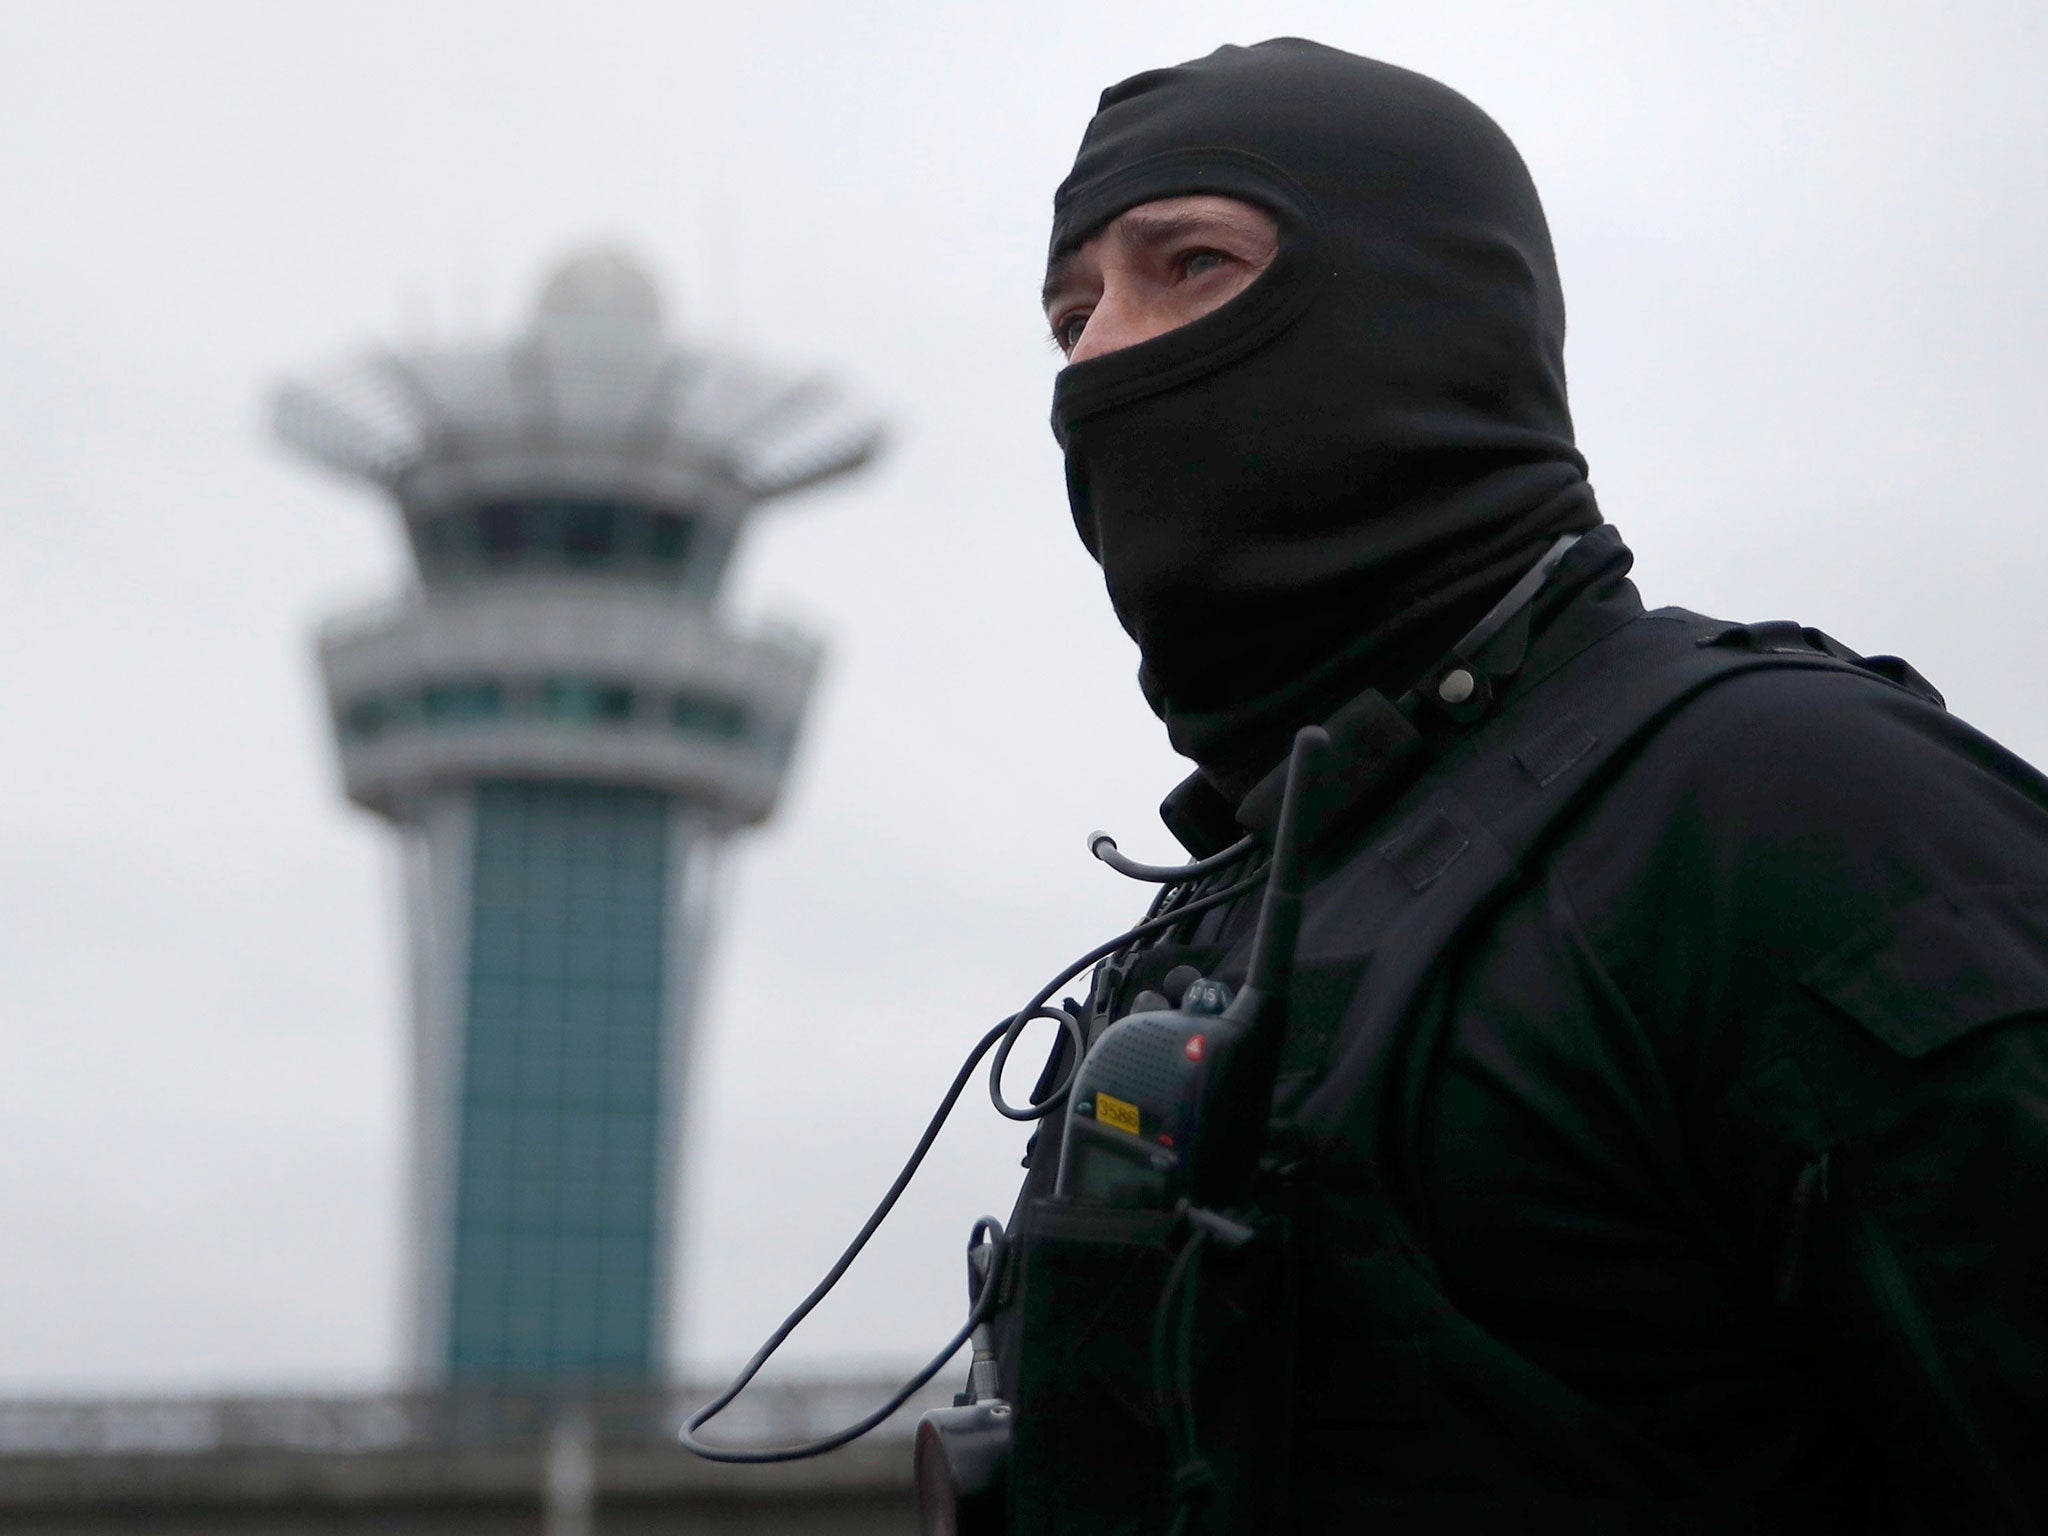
[(1013, 1027)]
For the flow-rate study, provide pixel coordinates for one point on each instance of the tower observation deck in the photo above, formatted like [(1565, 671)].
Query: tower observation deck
[(564, 732)]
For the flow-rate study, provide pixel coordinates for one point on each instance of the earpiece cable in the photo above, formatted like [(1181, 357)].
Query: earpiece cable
[(1167, 910)]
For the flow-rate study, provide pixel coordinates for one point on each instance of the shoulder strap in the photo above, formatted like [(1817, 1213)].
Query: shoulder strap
[(1464, 829)]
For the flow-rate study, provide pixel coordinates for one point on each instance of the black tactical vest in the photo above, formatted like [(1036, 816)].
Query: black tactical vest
[(1296, 1438)]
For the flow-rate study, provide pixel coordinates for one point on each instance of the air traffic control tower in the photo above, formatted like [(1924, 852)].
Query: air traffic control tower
[(564, 733)]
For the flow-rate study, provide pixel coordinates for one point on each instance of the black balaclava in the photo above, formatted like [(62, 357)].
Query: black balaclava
[(1315, 488)]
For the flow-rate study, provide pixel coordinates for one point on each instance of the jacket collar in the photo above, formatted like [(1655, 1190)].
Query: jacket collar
[(1379, 746)]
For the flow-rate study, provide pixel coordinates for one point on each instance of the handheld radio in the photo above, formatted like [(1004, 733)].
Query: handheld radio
[(1167, 1110), (1171, 1104)]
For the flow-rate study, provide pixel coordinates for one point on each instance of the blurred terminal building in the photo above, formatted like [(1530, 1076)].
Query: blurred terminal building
[(563, 731)]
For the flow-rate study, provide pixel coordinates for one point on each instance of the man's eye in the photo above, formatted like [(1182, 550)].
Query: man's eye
[(1068, 332), (1195, 263)]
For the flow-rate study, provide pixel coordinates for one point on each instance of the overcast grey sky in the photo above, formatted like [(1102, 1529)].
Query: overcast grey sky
[(1803, 247)]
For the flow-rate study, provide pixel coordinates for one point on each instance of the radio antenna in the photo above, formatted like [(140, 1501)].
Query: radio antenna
[(1272, 962), (1244, 1048)]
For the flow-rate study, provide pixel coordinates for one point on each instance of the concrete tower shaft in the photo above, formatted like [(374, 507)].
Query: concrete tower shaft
[(564, 732)]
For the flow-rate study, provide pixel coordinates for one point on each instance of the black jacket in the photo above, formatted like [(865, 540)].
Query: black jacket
[(1707, 1172)]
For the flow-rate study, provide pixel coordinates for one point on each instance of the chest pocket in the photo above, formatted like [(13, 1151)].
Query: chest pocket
[(1942, 968)]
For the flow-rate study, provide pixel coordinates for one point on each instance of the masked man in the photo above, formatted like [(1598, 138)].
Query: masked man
[(1661, 1139)]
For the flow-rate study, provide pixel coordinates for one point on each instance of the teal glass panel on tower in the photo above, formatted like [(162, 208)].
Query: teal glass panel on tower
[(565, 730), (557, 1206)]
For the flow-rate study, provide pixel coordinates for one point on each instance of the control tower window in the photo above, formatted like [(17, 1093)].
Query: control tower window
[(453, 703), (439, 541), (554, 532), (703, 716), (668, 538), (564, 698), (589, 531), (501, 530), (365, 719)]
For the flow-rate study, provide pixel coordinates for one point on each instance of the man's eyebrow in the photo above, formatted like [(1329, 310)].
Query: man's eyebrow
[(1056, 272), (1137, 227), (1141, 228)]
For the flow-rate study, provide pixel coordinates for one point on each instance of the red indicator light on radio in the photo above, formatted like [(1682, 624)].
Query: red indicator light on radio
[(1194, 1048)]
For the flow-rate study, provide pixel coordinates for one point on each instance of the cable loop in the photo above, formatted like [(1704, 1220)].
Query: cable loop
[(1011, 1036), (1014, 1025), (687, 1435), (756, 1455)]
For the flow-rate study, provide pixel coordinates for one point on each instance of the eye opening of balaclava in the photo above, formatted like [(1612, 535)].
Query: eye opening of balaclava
[(1313, 487), (1244, 323)]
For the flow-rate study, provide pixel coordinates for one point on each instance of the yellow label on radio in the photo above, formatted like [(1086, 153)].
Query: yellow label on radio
[(1117, 1113)]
